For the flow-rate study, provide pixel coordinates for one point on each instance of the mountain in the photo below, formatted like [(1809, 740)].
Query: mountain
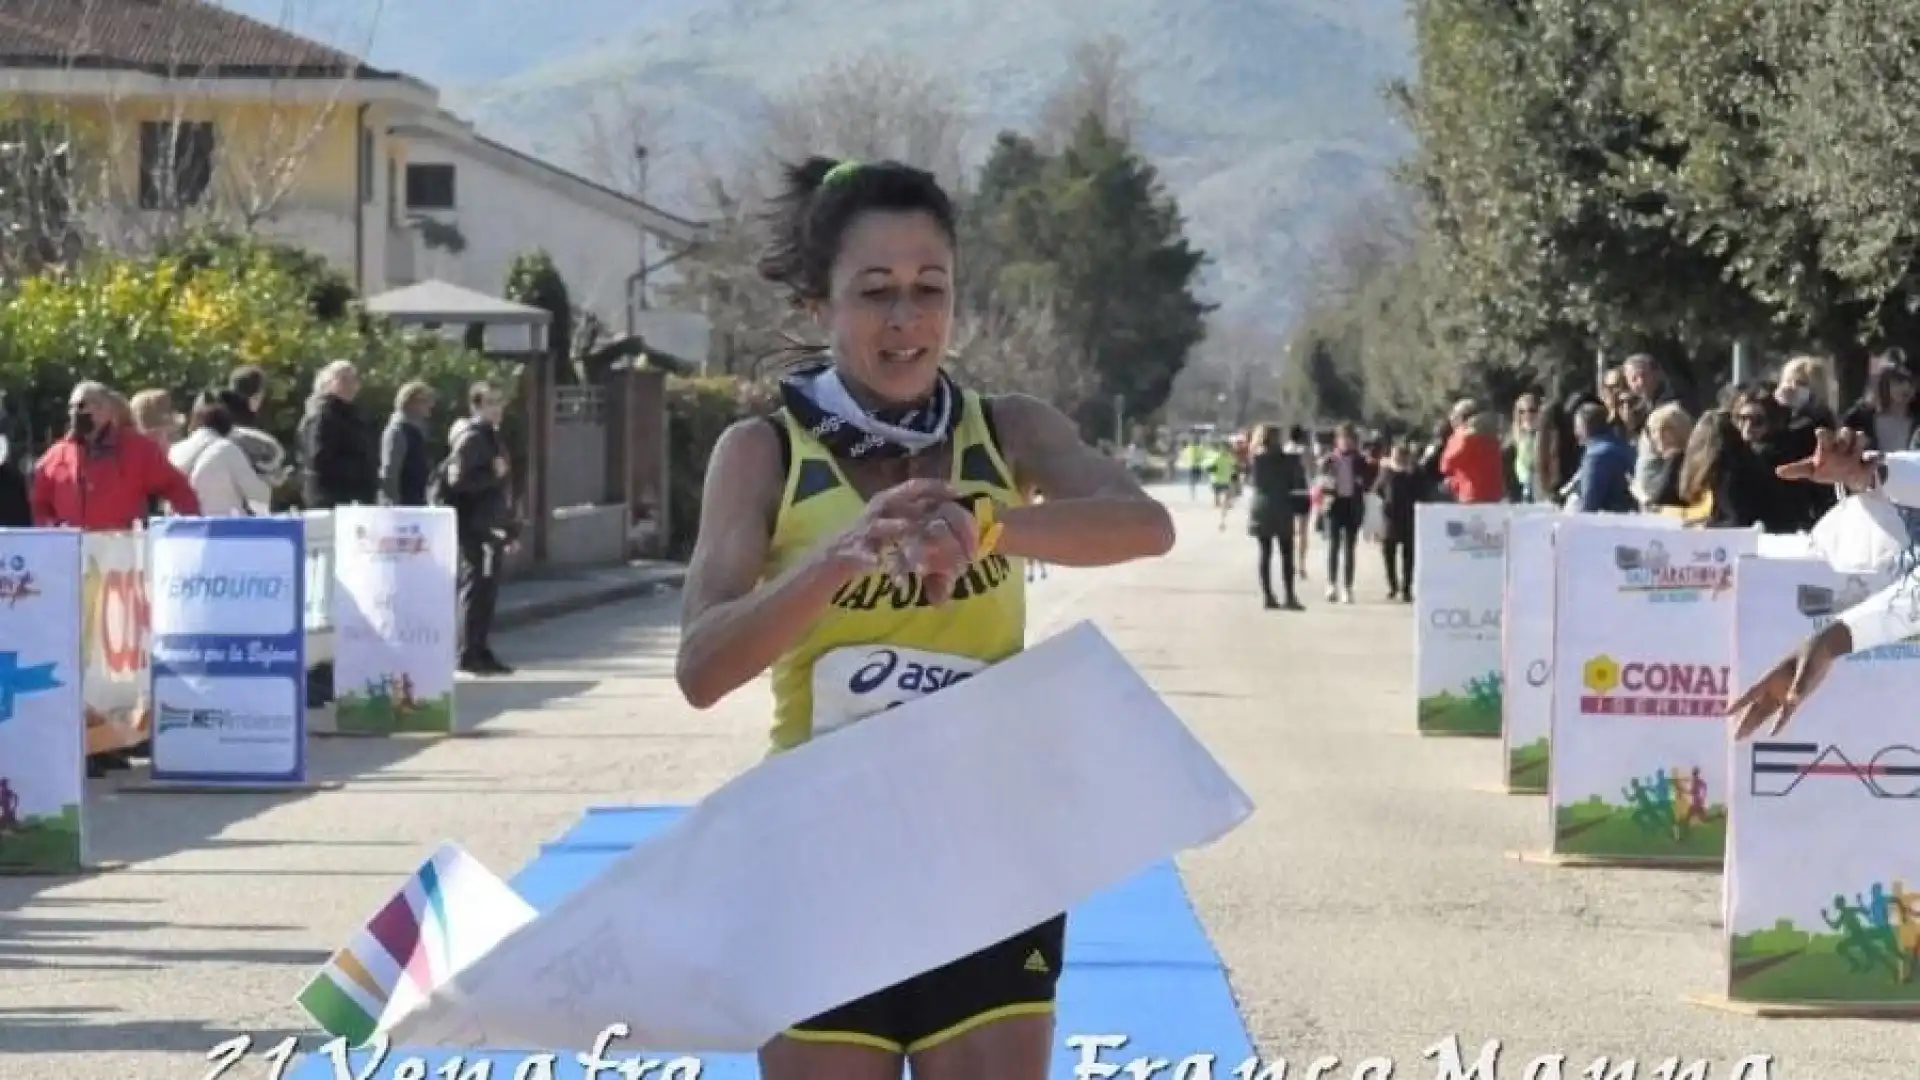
[(1265, 116)]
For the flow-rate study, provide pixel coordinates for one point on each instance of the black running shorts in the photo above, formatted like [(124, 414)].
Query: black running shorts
[(1017, 977)]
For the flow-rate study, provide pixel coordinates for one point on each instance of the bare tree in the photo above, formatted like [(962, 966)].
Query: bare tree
[(1101, 81), (752, 321), (875, 107), (618, 137), (1234, 378), (1018, 346)]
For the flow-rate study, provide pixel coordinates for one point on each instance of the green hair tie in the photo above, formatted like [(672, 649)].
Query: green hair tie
[(840, 173)]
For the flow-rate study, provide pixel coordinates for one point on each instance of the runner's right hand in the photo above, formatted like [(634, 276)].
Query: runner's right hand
[(1838, 458), (917, 527)]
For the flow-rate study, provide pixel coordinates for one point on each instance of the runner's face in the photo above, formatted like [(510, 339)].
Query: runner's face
[(892, 305)]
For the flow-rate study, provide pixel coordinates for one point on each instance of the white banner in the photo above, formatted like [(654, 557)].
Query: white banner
[(1642, 650), (395, 619), (1527, 640), (1459, 573), (229, 656), (42, 744), (740, 920), (1822, 895), (1526, 656), (115, 626)]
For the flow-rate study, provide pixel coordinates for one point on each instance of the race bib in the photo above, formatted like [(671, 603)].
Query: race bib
[(854, 683)]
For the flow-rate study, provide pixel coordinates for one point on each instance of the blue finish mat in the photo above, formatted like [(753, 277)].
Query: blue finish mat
[(1139, 965)]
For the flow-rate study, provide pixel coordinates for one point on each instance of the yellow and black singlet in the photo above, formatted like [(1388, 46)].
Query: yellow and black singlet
[(880, 644)]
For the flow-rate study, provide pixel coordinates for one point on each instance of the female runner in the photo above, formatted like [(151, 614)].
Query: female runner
[(847, 521)]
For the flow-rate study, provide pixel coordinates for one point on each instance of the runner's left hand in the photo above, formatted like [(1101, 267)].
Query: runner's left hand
[(1781, 690)]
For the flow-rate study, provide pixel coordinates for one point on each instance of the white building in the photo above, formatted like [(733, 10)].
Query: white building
[(464, 207)]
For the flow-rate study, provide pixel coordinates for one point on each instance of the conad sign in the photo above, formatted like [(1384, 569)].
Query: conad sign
[(116, 624)]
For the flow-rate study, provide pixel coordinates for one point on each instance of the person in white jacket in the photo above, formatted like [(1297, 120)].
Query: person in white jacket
[(1893, 614), (217, 467)]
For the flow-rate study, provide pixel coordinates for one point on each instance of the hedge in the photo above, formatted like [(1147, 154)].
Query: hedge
[(182, 320), (698, 410)]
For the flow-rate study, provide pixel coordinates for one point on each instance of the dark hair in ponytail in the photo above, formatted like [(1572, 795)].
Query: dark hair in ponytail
[(820, 198)]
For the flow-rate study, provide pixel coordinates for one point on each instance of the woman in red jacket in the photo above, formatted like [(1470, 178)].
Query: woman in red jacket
[(1471, 464)]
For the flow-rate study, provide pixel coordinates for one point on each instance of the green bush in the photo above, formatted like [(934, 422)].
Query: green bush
[(181, 321), (698, 410)]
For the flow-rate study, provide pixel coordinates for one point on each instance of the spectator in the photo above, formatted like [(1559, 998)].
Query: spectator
[(248, 385), (1433, 483), (1302, 500), (405, 462), (1721, 481), (1776, 505), (1556, 455), (1344, 480), (477, 489), (1399, 489), (1644, 380), (16, 507), (1276, 472), (1886, 415), (1472, 462), (216, 466), (1518, 454), (1606, 464), (244, 398), (101, 475), (153, 416), (340, 461), (1613, 387), (1668, 430)]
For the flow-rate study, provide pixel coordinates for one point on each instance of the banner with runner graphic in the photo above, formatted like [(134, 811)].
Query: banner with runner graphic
[(1526, 652), (395, 619), (1822, 890), (1642, 643), (1458, 574), (42, 749), (115, 626), (229, 651), (1527, 640)]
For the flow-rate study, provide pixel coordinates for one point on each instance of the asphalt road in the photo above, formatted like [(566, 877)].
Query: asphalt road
[(1366, 911)]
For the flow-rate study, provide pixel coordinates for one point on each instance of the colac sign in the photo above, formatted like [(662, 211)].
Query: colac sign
[(1654, 689), (1653, 571), (1487, 619)]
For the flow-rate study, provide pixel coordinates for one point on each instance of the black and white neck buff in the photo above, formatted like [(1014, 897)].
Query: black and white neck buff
[(816, 397)]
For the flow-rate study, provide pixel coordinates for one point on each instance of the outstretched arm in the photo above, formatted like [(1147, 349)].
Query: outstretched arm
[(1096, 513), (734, 627)]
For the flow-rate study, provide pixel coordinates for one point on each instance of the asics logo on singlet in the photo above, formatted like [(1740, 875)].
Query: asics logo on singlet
[(885, 667)]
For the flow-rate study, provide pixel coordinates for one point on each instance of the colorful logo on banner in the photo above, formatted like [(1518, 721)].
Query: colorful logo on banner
[(17, 681), (1669, 801), (1653, 689), (401, 541), (1652, 571), (1475, 538), (16, 582), (1465, 623), (1888, 772)]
